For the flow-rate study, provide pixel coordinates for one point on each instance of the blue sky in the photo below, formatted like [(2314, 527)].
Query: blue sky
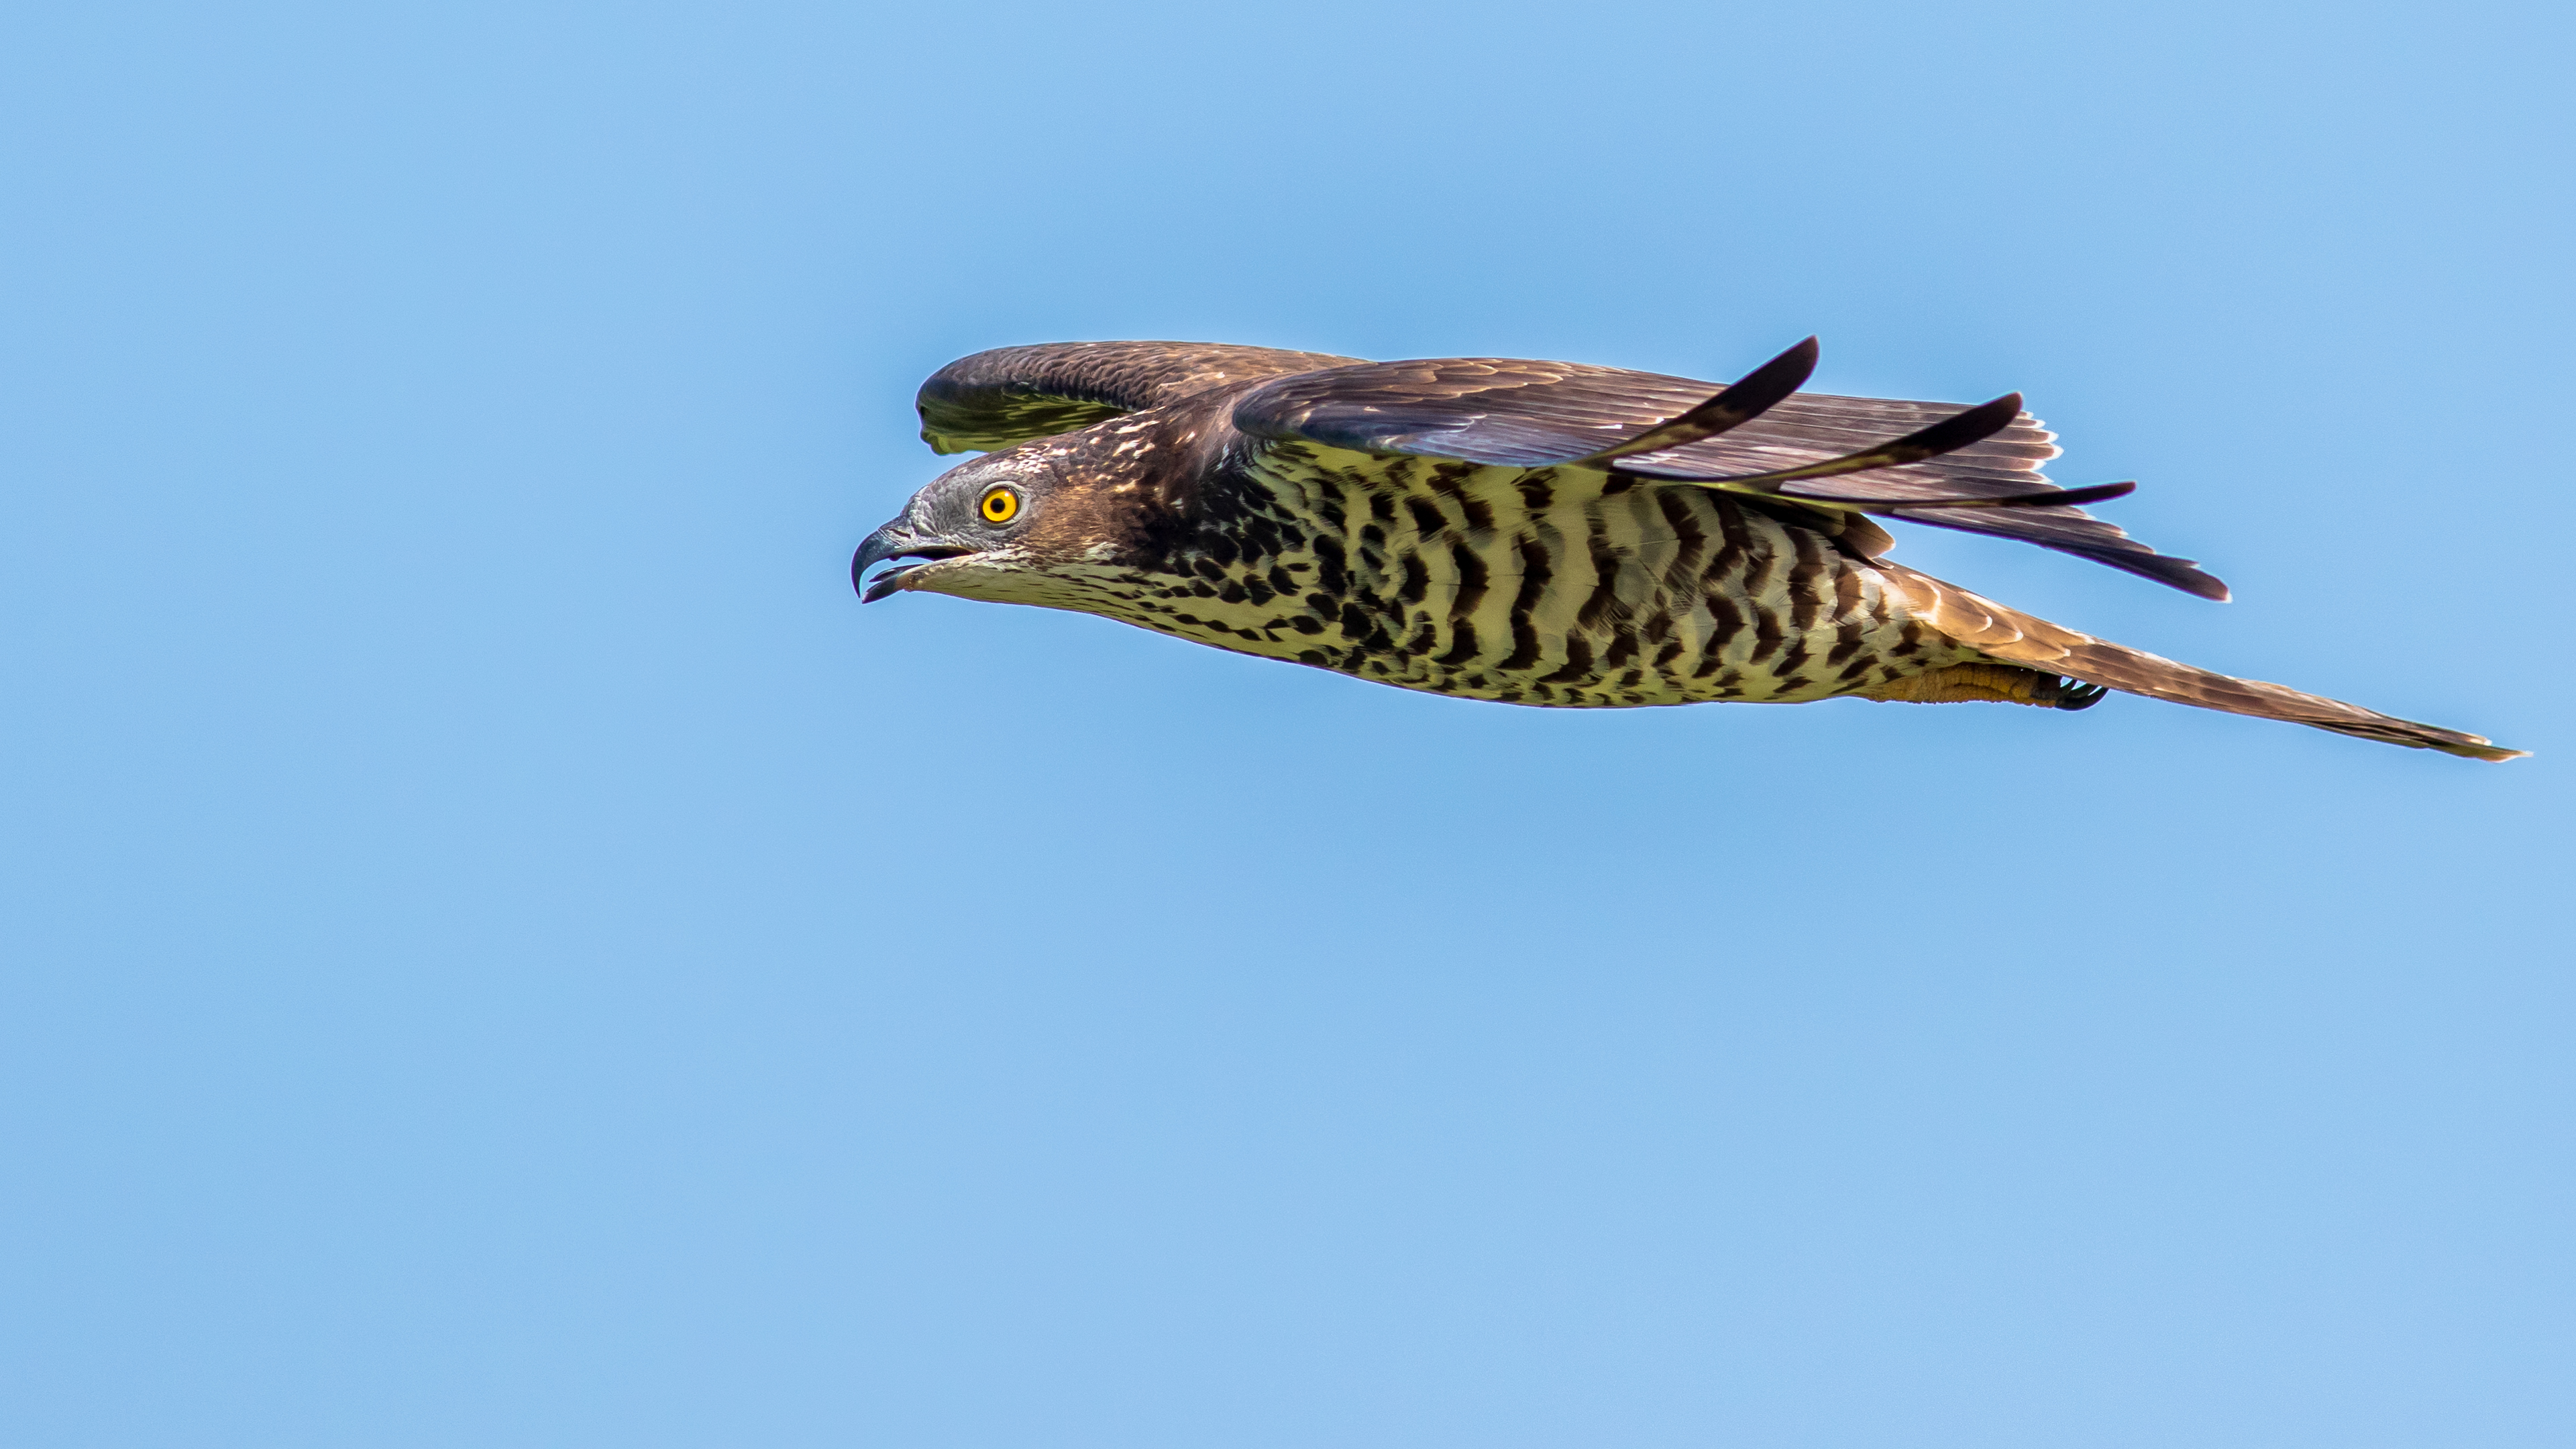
[(501, 949)]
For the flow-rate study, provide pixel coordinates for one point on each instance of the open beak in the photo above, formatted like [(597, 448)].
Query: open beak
[(897, 540)]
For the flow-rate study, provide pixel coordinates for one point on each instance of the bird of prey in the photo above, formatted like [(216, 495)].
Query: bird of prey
[(1539, 533)]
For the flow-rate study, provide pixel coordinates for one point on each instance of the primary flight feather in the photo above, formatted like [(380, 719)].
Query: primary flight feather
[(1540, 533)]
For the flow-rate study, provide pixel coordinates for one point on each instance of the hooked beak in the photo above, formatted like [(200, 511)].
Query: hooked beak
[(897, 540)]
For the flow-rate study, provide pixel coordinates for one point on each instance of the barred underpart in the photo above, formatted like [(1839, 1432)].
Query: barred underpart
[(1554, 586)]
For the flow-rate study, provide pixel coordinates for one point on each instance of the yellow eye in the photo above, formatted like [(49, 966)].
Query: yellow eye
[(1001, 506)]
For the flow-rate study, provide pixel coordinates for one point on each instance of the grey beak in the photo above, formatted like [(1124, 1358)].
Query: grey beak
[(896, 540)]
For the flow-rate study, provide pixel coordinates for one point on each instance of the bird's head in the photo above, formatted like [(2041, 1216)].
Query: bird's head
[(1029, 524), (979, 529)]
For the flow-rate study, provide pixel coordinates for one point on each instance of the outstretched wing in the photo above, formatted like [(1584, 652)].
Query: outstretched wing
[(1509, 412), (1012, 394)]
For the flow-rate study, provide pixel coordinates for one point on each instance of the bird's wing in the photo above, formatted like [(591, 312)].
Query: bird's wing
[(1012, 394), (1756, 437)]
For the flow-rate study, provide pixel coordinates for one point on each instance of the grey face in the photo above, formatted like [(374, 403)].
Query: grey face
[(983, 510)]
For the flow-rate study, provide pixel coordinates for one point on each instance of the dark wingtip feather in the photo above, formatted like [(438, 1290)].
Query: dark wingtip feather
[(2176, 573), (2079, 534), (1973, 426), (1752, 395), (2041, 498), (1959, 430), (2180, 573)]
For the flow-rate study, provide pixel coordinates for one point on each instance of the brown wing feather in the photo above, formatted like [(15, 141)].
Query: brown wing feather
[(2014, 637), (1012, 394), (1516, 412)]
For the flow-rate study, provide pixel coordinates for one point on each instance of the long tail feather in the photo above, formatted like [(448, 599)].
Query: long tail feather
[(2013, 637)]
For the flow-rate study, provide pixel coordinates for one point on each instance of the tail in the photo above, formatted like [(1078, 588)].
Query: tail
[(2017, 638)]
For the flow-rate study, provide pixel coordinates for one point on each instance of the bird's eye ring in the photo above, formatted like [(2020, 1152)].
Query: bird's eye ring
[(1000, 506)]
